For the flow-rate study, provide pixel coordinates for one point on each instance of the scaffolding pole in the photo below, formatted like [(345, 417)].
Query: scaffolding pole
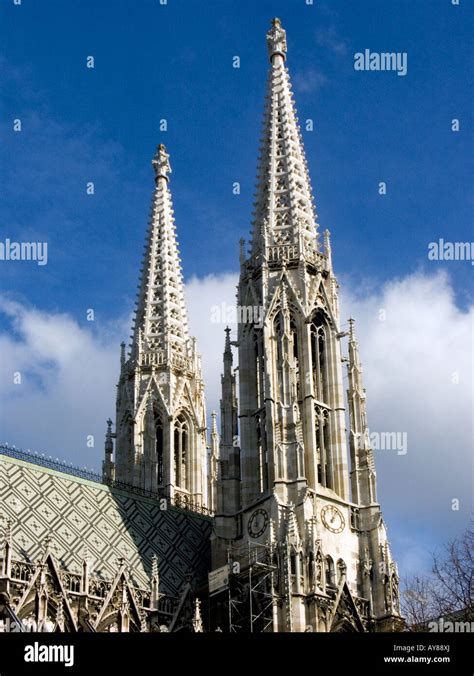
[(252, 595)]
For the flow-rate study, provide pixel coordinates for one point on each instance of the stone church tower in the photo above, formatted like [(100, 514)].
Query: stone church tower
[(160, 440), (285, 496), (301, 530)]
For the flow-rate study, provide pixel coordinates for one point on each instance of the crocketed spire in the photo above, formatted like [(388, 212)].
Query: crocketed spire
[(284, 213), (161, 319)]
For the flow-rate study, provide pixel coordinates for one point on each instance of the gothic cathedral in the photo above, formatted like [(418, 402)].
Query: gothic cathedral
[(274, 526)]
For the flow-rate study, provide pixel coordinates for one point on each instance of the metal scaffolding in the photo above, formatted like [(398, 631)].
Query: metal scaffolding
[(252, 593)]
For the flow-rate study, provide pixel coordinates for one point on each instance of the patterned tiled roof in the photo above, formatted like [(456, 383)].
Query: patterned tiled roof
[(86, 518)]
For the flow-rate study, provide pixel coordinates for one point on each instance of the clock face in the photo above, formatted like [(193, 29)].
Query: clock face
[(332, 519), (257, 523)]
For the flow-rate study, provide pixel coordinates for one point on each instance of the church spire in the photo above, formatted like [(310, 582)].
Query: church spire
[(284, 443), (161, 320), (284, 201), (160, 437)]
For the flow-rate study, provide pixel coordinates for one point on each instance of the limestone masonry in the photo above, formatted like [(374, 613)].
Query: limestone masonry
[(273, 524)]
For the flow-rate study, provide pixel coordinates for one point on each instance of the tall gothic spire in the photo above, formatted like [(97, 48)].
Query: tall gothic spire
[(290, 423), (161, 319), (284, 212), (161, 415)]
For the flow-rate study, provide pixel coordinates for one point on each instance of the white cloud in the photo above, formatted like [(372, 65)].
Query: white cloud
[(329, 38), (67, 390), (310, 80), (203, 297), (411, 363), (418, 374)]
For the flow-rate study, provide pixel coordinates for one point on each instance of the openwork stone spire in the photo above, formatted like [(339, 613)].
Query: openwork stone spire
[(160, 438), (161, 320), (284, 213)]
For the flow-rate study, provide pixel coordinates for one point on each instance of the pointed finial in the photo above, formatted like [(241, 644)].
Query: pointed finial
[(8, 531), (154, 567), (276, 41), (60, 612), (327, 246), (122, 353), (109, 446), (271, 534), (197, 619), (242, 249), (47, 544), (352, 335), (292, 529), (161, 163), (214, 422), (284, 296), (327, 240), (227, 339), (155, 582)]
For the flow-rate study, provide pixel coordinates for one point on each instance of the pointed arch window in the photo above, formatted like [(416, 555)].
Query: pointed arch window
[(319, 361), (311, 571), (287, 357), (259, 367), (323, 446), (278, 333), (260, 406), (159, 448), (262, 452), (329, 572), (181, 451)]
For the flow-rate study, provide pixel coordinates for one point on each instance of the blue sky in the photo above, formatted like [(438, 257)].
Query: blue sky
[(174, 61)]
